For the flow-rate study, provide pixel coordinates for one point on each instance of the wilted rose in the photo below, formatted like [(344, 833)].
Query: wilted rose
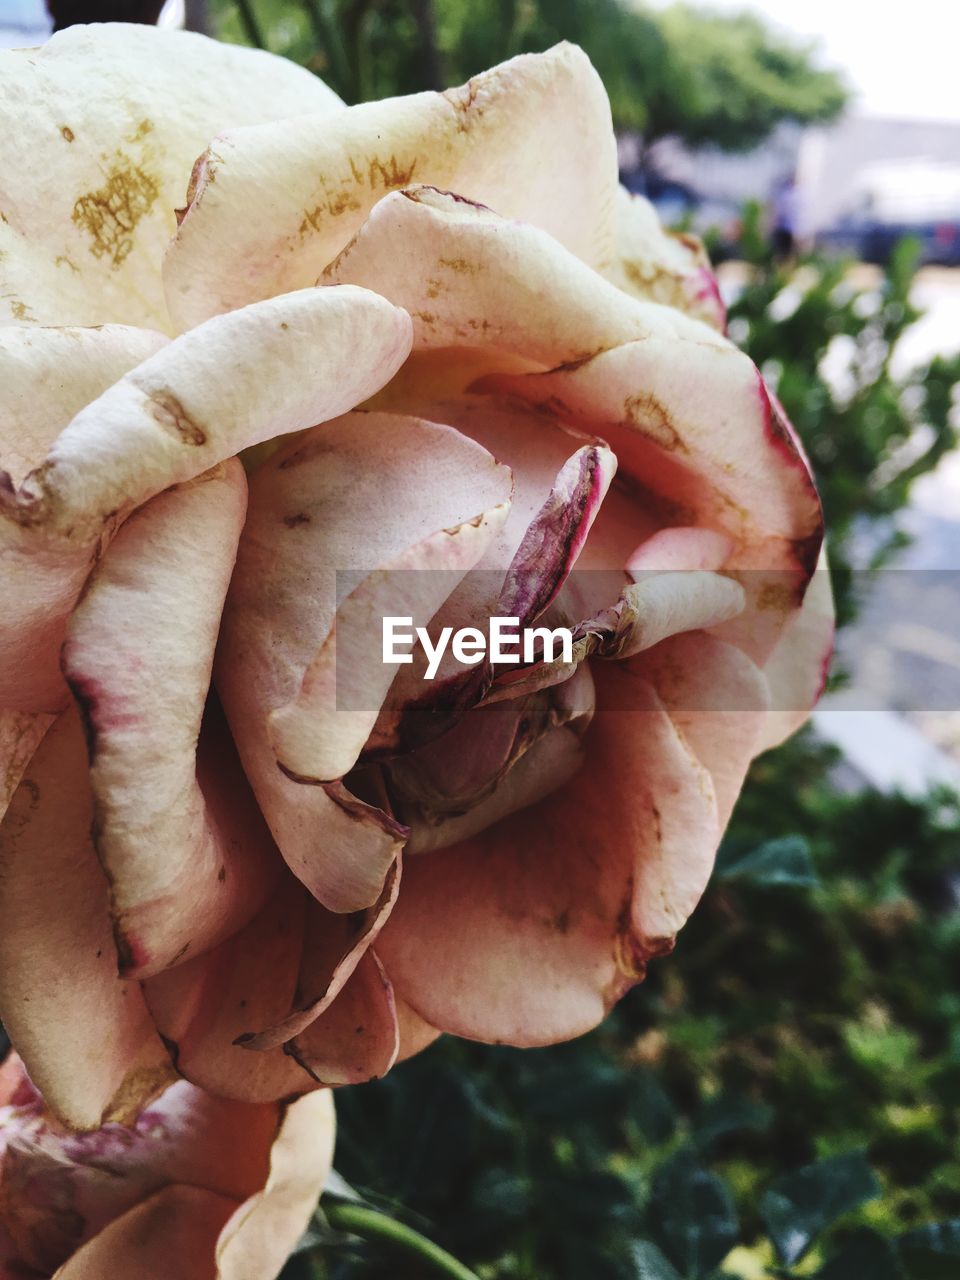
[(516, 372), (199, 1187)]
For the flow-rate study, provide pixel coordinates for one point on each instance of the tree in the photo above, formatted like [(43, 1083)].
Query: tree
[(702, 76)]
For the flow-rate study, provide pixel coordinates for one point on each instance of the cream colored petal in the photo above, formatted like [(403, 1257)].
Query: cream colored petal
[(138, 657), (99, 131), (240, 380), (273, 205), (47, 376), (471, 277), (257, 1240), (84, 1035), (663, 266)]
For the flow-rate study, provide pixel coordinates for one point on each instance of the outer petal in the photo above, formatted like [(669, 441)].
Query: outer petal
[(527, 933), (203, 1006), (46, 377), (532, 138), (256, 1241), (797, 668), (719, 701), (138, 657), (317, 508), (662, 266), (694, 426), (357, 1038), (693, 422), (333, 947), (107, 121), (242, 379), (84, 1034), (470, 277), (171, 1236)]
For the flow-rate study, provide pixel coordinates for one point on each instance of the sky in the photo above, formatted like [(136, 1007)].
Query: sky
[(900, 56)]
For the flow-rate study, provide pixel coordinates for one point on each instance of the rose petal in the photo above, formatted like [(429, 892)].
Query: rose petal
[(526, 934), (202, 1006), (46, 376), (20, 735), (357, 1038), (531, 137), (315, 508), (797, 669), (333, 946), (470, 277), (557, 498), (663, 266), (107, 121), (170, 1236), (240, 380), (84, 1034), (719, 701), (694, 426), (49, 374), (138, 657), (257, 1240)]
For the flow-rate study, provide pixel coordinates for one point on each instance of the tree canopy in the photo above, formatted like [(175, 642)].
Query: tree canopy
[(691, 72)]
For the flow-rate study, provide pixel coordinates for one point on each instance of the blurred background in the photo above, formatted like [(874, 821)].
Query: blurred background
[(779, 1099)]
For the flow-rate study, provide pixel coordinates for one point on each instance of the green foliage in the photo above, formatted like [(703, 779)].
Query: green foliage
[(824, 334), (723, 79)]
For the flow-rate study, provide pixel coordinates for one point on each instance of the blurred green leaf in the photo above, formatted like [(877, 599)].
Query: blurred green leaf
[(692, 1215), (729, 1114), (785, 861), (932, 1252), (865, 1255), (798, 1206), (650, 1264)]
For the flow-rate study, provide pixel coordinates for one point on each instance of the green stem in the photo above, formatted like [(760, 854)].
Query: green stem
[(358, 1220), (251, 26)]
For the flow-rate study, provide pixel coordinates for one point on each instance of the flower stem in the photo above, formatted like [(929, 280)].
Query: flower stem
[(359, 1220)]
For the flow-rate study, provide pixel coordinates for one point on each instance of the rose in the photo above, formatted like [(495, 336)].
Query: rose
[(198, 1186), (559, 821)]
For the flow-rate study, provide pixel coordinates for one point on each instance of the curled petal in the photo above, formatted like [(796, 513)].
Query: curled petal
[(49, 374), (306, 187), (237, 381), (357, 1037), (138, 658), (663, 266), (316, 508), (470, 277), (256, 1241), (108, 120), (84, 1034)]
